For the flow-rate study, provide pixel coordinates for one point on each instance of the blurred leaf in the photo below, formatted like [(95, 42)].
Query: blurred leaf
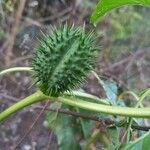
[(87, 125), (140, 144), (111, 90), (110, 87), (87, 4), (2, 35), (105, 6), (64, 128), (114, 135)]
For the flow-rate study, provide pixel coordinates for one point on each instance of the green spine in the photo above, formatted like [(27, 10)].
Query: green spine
[(63, 58)]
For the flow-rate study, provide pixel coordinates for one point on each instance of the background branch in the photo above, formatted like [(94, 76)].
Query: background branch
[(12, 37), (94, 118)]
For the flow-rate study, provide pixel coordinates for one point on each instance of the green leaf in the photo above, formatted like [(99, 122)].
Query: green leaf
[(105, 6), (114, 136), (110, 87), (86, 124), (140, 144), (64, 128), (111, 90)]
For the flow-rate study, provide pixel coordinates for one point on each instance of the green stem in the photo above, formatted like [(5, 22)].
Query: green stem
[(139, 103), (91, 140), (112, 110), (128, 93), (97, 136), (85, 96), (15, 69), (34, 98)]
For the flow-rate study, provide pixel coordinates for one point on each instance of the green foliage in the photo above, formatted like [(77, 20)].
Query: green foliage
[(64, 128), (113, 133), (86, 125), (128, 29), (110, 88), (63, 59), (68, 128), (140, 144), (105, 6), (2, 35)]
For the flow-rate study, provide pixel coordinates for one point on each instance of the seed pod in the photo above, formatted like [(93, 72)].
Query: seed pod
[(63, 58)]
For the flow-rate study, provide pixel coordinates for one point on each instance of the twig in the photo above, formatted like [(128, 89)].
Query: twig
[(143, 128), (50, 18), (15, 61), (50, 140), (94, 118), (32, 126), (12, 36), (10, 98), (30, 21), (125, 60)]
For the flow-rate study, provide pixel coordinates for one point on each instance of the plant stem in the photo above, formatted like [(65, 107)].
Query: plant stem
[(86, 96), (97, 136), (112, 110), (139, 103), (34, 98), (15, 69), (91, 140)]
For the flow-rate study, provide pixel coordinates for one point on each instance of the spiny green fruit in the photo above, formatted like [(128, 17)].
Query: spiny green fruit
[(63, 58)]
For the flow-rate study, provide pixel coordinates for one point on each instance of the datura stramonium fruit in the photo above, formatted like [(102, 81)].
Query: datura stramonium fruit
[(63, 58)]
